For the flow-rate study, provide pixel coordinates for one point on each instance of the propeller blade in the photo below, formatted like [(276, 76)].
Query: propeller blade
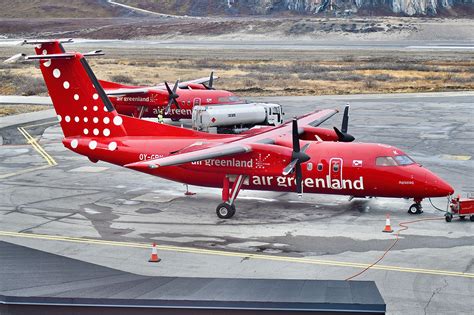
[(172, 96), (175, 87), (175, 96), (296, 136), (168, 88), (289, 168), (345, 120), (305, 147), (299, 179), (211, 80)]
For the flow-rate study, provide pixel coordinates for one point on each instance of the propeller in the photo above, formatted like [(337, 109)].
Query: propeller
[(342, 134), (172, 96), (297, 157), (211, 81)]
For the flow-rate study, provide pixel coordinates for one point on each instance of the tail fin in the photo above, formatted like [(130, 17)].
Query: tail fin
[(85, 111), (80, 102)]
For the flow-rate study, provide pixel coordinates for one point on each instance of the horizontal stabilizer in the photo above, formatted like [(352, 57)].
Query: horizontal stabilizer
[(46, 41)]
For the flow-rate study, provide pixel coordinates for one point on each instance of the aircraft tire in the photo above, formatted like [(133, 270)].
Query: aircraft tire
[(448, 217), (461, 217), (415, 209), (471, 218), (225, 210), (175, 119)]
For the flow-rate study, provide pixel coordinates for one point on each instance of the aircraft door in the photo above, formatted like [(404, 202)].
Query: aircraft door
[(197, 101), (335, 172)]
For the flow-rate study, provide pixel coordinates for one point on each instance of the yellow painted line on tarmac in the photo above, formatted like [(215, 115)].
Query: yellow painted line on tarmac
[(49, 159), (456, 157), (285, 259), (24, 171)]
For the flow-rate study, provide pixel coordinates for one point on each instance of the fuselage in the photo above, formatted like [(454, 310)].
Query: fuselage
[(156, 101), (355, 169)]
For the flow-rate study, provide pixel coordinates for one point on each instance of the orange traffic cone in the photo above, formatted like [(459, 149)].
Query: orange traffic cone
[(154, 255), (388, 227)]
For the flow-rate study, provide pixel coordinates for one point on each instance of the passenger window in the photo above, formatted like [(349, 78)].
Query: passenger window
[(335, 167), (309, 166), (385, 161), (320, 167)]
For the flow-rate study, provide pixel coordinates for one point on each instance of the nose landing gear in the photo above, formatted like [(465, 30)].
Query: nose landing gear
[(416, 208)]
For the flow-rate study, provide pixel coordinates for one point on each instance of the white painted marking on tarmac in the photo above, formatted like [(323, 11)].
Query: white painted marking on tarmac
[(90, 211), (89, 169)]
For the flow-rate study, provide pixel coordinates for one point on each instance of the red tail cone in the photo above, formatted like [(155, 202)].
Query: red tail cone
[(154, 255)]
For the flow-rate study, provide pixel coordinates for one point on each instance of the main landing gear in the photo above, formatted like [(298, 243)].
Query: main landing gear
[(416, 208), (226, 210)]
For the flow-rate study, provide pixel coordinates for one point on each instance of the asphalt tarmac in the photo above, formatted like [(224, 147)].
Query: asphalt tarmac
[(108, 215)]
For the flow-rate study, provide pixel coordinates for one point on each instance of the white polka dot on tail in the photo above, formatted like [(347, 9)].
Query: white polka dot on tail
[(84, 108), (95, 120), (76, 97), (106, 132), (68, 119), (118, 120), (74, 143), (86, 131), (66, 85), (95, 132), (56, 73), (106, 120), (92, 144), (60, 118), (95, 96), (95, 108), (76, 119), (47, 63), (112, 146)]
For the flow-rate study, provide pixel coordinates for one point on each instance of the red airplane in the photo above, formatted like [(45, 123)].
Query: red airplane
[(144, 102), (176, 103), (295, 156)]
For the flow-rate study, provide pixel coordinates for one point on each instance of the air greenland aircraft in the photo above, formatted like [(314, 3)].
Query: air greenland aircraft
[(145, 102), (295, 156)]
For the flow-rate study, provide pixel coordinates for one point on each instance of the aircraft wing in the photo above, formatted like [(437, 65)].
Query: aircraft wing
[(185, 84), (126, 91), (241, 145), (193, 156)]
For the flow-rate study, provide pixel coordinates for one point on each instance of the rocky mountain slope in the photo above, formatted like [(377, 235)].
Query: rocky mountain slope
[(328, 7)]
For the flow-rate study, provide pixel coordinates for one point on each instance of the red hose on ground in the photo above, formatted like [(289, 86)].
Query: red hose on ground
[(404, 226)]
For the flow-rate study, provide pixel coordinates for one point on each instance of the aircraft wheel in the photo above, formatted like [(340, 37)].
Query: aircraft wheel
[(462, 217), (415, 209), (471, 218), (448, 217), (225, 211), (175, 119)]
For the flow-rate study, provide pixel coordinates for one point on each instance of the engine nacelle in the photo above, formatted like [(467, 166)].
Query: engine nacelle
[(313, 133)]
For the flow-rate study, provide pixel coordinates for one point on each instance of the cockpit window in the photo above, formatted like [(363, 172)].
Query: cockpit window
[(403, 160), (385, 161)]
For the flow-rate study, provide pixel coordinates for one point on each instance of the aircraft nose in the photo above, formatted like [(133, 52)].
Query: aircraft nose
[(436, 186)]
